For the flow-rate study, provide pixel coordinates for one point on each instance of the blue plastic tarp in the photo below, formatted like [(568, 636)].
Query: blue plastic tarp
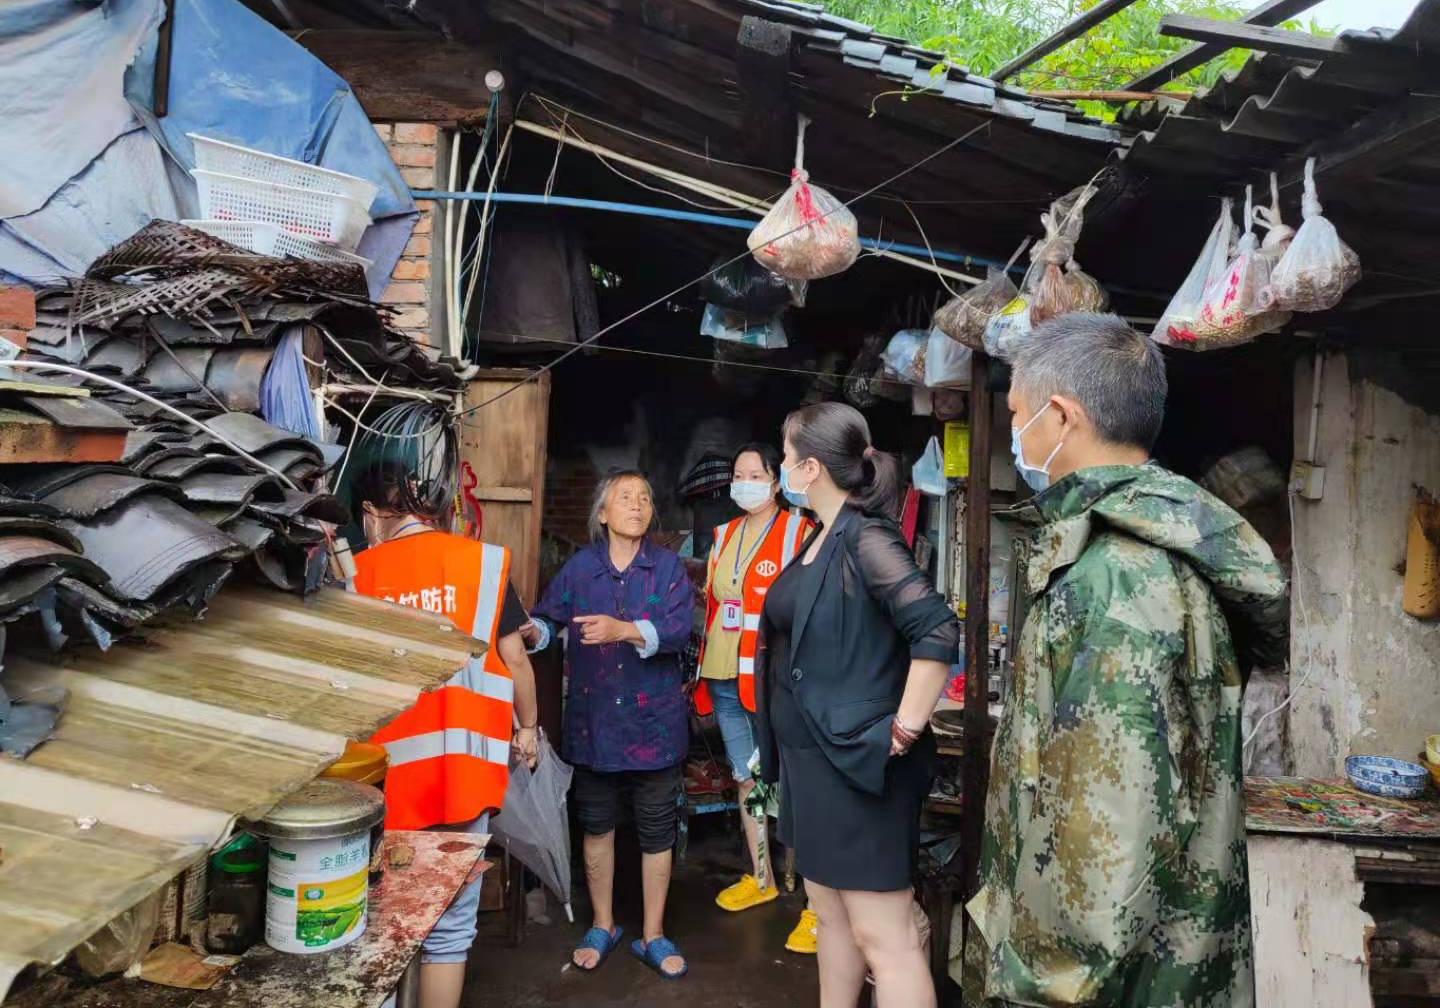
[(83, 177)]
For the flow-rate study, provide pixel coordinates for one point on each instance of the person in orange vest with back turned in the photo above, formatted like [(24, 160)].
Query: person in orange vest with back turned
[(450, 753)]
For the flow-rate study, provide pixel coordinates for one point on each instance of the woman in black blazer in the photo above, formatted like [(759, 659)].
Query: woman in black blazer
[(856, 646)]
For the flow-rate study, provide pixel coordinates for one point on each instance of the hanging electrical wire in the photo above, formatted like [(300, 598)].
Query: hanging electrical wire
[(418, 439)]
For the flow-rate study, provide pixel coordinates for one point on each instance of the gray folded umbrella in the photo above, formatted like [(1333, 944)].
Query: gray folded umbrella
[(533, 824)]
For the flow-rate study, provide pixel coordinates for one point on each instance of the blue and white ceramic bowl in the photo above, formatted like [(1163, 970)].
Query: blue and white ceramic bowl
[(1386, 777)]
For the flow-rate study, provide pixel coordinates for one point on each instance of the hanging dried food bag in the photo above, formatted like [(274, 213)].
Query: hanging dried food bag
[(1084, 291), (1232, 312), (1053, 292), (947, 363), (745, 286), (904, 356), (1177, 326), (964, 318), (808, 233), (1008, 327), (733, 327), (1318, 268)]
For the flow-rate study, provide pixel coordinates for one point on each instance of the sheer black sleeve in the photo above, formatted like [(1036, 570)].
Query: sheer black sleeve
[(904, 591)]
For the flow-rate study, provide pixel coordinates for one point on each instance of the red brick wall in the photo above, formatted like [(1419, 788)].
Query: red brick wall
[(569, 486), (17, 314), (414, 147)]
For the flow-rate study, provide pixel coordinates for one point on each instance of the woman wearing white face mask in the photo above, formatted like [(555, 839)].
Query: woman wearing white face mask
[(748, 555)]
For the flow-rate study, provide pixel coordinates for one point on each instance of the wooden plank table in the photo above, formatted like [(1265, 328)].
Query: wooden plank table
[(404, 907)]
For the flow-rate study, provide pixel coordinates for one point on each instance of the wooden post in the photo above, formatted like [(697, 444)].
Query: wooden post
[(161, 96), (976, 765)]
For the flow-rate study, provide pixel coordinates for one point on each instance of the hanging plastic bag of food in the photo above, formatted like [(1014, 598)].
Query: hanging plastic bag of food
[(1318, 268), (904, 356), (964, 318), (808, 233), (1060, 287), (1232, 311), (947, 363), (745, 286), (1278, 234), (928, 473), (1008, 327), (764, 333), (1177, 326)]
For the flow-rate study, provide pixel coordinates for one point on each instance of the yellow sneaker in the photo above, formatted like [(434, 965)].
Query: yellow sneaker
[(802, 939), (746, 894)]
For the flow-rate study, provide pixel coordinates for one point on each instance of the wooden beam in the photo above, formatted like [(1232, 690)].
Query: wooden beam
[(1268, 15), (1238, 35), (407, 76), (1376, 142), (975, 765), (1068, 33), (767, 111)]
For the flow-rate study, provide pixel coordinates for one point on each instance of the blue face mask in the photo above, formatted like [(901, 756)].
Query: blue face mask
[(1037, 477), (799, 498)]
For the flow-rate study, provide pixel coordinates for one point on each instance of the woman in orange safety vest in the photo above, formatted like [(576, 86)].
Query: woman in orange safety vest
[(748, 555), (450, 752)]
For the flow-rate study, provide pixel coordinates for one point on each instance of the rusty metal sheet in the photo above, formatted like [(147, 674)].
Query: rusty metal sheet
[(97, 493), (148, 541), (78, 414), (235, 376)]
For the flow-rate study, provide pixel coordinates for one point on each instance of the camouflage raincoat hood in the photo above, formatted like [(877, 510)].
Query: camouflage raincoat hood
[(1113, 863)]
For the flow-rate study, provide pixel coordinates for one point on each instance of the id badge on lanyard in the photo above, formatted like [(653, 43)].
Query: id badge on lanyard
[(731, 615)]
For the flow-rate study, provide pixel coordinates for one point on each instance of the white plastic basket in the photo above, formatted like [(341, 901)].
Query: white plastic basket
[(273, 240), (325, 217), (232, 159)]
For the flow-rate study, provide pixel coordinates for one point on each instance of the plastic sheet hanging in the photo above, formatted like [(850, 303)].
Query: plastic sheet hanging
[(747, 287), (808, 233), (928, 473), (947, 363), (286, 399), (1318, 268), (734, 327)]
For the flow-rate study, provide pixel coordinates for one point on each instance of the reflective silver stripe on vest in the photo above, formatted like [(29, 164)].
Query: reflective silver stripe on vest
[(747, 666), (793, 525), (474, 677), (450, 742), (752, 621), (491, 594)]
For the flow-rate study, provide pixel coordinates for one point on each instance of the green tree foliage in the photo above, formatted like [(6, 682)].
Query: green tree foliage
[(982, 35)]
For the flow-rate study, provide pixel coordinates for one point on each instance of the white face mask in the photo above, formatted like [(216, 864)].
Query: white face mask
[(1037, 477), (750, 495)]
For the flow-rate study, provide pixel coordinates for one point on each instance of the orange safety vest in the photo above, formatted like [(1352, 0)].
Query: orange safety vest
[(450, 753), (774, 554)]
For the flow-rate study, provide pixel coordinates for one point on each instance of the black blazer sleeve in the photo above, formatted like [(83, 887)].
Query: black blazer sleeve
[(903, 590)]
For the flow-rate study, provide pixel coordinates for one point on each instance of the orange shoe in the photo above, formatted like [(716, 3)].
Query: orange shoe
[(803, 939), (746, 894)]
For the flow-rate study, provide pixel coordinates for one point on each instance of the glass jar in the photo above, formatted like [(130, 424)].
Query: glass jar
[(236, 907)]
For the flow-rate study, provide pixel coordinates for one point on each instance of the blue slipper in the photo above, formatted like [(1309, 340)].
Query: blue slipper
[(598, 940), (655, 953)]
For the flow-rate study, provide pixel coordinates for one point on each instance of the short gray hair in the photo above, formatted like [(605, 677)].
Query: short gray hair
[(1114, 373), (598, 532)]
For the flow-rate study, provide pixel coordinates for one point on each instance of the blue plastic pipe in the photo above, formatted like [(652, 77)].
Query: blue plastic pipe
[(641, 210)]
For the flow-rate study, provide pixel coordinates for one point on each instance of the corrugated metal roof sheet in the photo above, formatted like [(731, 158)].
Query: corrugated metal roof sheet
[(166, 740)]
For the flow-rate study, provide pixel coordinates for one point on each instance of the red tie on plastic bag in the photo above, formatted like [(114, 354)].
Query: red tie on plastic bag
[(808, 233)]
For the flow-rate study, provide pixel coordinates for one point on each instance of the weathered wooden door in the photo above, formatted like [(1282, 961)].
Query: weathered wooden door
[(505, 444)]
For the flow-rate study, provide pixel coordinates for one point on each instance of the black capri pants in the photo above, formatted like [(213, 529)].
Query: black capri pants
[(653, 794)]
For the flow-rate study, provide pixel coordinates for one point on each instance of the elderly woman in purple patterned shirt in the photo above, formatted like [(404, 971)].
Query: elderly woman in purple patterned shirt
[(626, 604)]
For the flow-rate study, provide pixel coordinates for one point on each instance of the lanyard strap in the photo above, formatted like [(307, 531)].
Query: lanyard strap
[(742, 559)]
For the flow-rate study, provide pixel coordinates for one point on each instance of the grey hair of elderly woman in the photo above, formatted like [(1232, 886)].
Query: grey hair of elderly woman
[(599, 532)]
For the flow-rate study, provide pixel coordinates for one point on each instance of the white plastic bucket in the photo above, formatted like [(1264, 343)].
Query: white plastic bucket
[(318, 893)]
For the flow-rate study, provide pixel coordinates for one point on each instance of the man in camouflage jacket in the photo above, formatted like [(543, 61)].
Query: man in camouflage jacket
[(1113, 866)]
